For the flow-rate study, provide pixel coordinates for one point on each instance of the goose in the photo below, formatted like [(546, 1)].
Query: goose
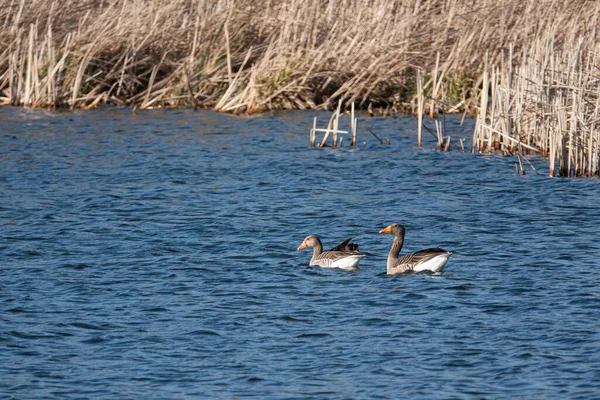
[(344, 256), (433, 259)]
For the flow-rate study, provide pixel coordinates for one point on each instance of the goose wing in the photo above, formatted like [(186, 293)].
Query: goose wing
[(346, 245), (420, 256), (332, 258)]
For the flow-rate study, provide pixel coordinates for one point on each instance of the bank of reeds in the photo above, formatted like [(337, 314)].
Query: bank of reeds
[(549, 103), (256, 55)]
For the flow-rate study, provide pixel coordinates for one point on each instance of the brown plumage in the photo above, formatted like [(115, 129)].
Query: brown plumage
[(346, 245)]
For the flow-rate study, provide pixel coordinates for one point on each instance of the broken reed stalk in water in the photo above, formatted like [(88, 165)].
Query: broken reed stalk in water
[(420, 107), (353, 123), (333, 129), (313, 132)]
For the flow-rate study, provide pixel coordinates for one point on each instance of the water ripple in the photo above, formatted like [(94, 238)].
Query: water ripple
[(153, 255)]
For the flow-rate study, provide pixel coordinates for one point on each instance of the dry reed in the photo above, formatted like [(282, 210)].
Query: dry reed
[(255, 55), (247, 55), (548, 104)]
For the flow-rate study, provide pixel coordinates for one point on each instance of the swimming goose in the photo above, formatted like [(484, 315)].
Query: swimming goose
[(433, 259), (344, 256)]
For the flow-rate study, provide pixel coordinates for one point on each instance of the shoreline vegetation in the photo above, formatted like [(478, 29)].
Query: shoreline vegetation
[(528, 70)]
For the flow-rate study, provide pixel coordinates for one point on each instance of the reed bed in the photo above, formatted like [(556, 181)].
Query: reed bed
[(245, 56), (256, 55), (548, 104)]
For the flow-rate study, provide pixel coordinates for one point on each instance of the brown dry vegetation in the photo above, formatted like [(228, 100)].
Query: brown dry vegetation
[(255, 55), (549, 104)]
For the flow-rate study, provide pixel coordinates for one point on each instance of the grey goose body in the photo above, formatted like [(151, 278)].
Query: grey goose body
[(344, 256), (433, 259)]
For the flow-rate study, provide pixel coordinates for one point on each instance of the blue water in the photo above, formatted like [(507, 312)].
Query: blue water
[(153, 255)]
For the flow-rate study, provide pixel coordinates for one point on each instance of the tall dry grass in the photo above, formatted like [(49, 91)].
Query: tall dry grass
[(252, 55), (255, 55), (549, 103)]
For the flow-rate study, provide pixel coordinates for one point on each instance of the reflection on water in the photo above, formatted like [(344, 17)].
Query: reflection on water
[(154, 255)]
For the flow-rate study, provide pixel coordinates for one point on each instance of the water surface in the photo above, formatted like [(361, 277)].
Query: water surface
[(153, 255)]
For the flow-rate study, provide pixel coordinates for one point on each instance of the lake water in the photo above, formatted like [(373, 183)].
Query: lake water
[(153, 255)]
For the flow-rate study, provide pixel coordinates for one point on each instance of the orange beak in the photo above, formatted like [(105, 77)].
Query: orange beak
[(302, 246), (387, 229)]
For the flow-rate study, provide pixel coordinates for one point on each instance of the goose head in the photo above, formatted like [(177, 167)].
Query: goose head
[(309, 241), (394, 229)]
